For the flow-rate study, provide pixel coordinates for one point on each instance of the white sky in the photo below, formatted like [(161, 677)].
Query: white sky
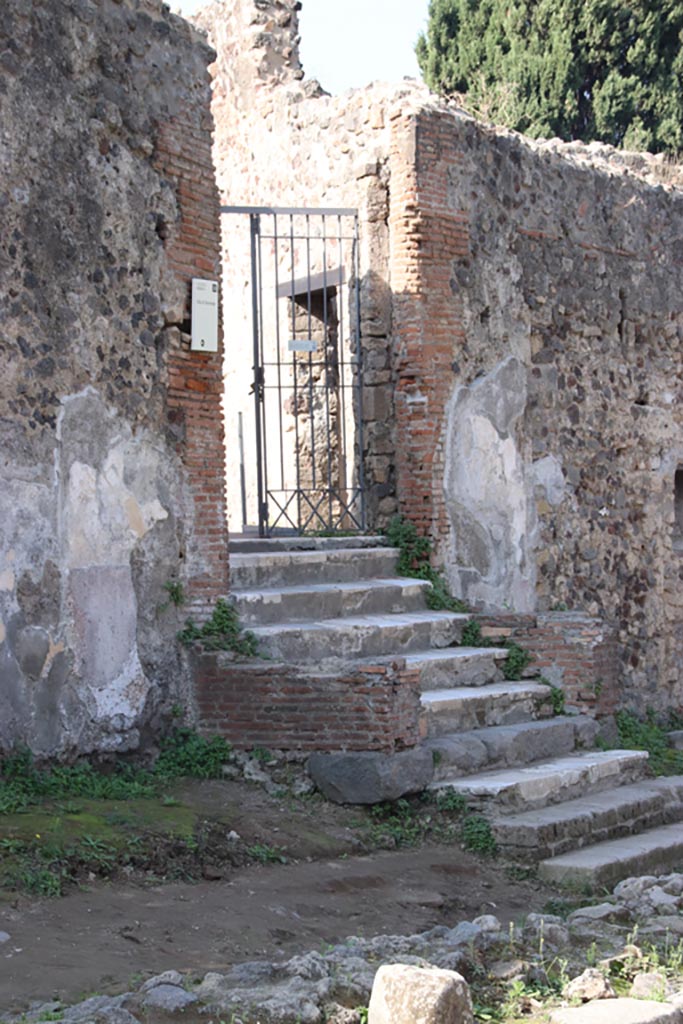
[(348, 43)]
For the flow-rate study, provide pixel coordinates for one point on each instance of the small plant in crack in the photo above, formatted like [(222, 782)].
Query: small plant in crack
[(222, 632), (414, 561), (517, 657)]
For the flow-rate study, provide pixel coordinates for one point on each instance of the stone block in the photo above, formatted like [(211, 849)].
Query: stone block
[(369, 778), (625, 1011), (403, 994)]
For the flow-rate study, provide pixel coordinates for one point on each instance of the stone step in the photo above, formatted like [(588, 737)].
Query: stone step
[(458, 666), (332, 640), (502, 746), (611, 814), (548, 782), (291, 568), (329, 600), (656, 851), (249, 545), (462, 708)]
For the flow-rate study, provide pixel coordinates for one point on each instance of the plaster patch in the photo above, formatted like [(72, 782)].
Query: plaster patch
[(549, 477), (487, 490), (7, 579), (53, 650), (135, 520)]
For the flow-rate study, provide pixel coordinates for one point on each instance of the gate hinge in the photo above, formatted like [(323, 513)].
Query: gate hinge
[(257, 386), (264, 512)]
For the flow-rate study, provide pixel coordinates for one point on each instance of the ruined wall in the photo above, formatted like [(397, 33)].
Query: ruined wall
[(110, 429), (521, 326), (546, 466), (282, 141)]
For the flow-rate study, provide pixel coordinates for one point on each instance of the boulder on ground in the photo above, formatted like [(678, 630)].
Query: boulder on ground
[(369, 777), (592, 984), (403, 994)]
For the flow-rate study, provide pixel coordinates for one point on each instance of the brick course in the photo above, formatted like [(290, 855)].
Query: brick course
[(426, 239), (195, 379), (576, 652), (289, 708)]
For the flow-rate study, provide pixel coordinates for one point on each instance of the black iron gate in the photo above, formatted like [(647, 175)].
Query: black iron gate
[(307, 379)]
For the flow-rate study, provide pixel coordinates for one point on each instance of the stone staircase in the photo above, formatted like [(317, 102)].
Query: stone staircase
[(587, 816)]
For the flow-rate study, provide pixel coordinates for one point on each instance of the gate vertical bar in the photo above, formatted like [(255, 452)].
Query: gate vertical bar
[(254, 221), (359, 376)]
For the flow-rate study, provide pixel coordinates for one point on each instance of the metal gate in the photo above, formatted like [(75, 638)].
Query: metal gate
[(307, 372)]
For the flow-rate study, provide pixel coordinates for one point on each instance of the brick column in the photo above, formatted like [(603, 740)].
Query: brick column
[(427, 238), (195, 379)]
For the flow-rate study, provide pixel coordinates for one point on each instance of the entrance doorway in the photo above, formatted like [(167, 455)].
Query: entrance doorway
[(297, 410)]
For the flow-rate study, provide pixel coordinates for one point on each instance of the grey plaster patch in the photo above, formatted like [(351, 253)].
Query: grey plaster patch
[(31, 649), (548, 476), (489, 492)]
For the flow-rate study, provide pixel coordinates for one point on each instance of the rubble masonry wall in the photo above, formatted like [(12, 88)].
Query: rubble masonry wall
[(110, 429)]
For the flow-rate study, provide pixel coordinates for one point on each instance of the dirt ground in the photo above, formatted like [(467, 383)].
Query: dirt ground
[(103, 936)]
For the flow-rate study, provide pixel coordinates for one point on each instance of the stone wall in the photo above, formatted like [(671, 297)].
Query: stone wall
[(554, 450), (110, 429), (521, 331)]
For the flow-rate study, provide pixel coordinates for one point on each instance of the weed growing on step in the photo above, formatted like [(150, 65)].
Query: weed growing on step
[(414, 561), (647, 734), (517, 658), (410, 821), (557, 699), (222, 632), (477, 835), (516, 661)]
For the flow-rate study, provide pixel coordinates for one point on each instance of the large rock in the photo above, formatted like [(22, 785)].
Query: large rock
[(369, 778), (419, 995)]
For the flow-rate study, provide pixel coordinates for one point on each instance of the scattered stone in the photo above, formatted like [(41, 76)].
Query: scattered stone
[(592, 984), (167, 978), (619, 1011), (663, 924), (405, 995), (610, 912), (676, 739), (98, 1008), (506, 970), (168, 997), (648, 985), (370, 778), (546, 929)]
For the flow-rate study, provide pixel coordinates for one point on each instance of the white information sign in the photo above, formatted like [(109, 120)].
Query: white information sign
[(302, 345), (204, 315)]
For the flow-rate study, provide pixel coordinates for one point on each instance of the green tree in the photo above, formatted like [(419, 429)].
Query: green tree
[(610, 70)]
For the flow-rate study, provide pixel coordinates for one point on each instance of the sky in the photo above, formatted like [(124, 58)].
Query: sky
[(346, 44)]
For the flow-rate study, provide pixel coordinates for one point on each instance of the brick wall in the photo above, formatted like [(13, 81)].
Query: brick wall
[(576, 652), (427, 239), (195, 379), (287, 708)]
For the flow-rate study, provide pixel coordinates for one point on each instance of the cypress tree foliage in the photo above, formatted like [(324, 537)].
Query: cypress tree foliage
[(610, 70)]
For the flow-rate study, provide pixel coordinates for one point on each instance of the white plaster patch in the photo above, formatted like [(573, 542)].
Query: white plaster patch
[(488, 493), (122, 700), (102, 517), (7, 579), (549, 476)]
